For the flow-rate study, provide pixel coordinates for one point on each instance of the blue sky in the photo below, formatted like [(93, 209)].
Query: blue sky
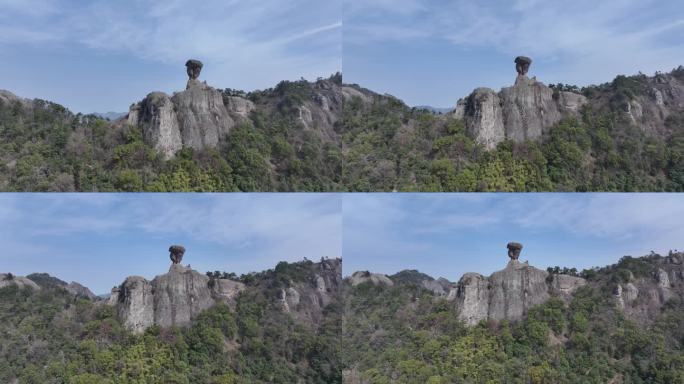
[(433, 52), (101, 55), (446, 235), (100, 239)]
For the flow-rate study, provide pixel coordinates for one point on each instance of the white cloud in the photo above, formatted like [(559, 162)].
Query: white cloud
[(271, 226), (590, 41), (240, 37)]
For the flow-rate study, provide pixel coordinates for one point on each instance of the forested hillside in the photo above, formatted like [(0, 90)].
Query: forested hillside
[(620, 141), (287, 143), (50, 335), (402, 331)]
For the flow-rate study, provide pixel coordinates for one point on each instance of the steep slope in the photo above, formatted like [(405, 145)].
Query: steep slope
[(621, 324), (244, 336)]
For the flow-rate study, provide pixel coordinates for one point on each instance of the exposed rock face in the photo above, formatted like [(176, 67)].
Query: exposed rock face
[(639, 298), (179, 296), (202, 117), (135, 304), (361, 277), (176, 253), (509, 293), (663, 96), (305, 301), (79, 290), (7, 279), (156, 118), (484, 118), (525, 111), (197, 118), (174, 298)]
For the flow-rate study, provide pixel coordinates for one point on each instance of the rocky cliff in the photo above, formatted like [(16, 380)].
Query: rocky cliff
[(174, 298), (509, 293), (645, 291), (529, 109), (202, 116), (525, 111), (197, 118), (305, 299)]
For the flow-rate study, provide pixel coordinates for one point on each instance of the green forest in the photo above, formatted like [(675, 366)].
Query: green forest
[(404, 334), (52, 336)]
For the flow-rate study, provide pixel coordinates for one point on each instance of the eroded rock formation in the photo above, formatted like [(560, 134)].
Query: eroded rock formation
[(525, 111), (174, 298), (176, 253), (199, 117), (641, 296), (509, 293), (522, 65), (514, 250)]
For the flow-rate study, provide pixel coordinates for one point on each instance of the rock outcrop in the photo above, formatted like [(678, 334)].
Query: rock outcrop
[(639, 297), (174, 298), (176, 253), (7, 279), (525, 111), (361, 277), (508, 294), (305, 300), (197, 118)]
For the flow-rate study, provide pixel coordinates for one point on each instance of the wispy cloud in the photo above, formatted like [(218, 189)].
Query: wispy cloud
[(429, 232), (265, 34), (588, 40), (283, 225)]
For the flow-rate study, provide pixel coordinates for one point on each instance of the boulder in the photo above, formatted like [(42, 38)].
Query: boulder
[(7, 279), (361, 277)]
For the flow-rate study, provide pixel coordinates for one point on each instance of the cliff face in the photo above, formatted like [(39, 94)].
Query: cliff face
[(174, 298), (197, 118), (509, 293), (639, 297), (525, 111), (305, 300), (179, 296)]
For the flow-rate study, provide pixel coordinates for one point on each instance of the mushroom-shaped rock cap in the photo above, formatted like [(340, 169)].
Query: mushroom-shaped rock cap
[(176, 253), (522, 64), (194, 68), (514, 250)]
